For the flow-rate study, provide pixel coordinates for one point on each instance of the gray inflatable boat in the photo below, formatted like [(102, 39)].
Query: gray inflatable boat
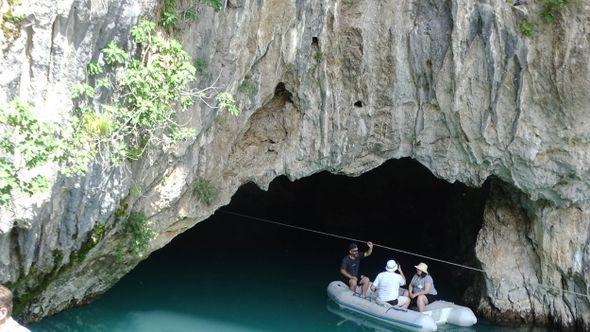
[(436, 313)]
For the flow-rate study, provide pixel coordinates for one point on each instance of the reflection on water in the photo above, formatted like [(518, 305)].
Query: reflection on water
[(156, 321), (146, 321), (352, 321)]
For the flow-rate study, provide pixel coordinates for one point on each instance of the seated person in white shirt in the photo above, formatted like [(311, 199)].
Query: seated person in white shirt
[(387, 285)]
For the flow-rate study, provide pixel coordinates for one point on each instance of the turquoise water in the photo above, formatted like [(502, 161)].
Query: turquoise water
[(234, 274), (231, 275)]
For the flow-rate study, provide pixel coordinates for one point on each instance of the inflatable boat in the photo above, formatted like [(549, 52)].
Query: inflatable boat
[(436, 313)]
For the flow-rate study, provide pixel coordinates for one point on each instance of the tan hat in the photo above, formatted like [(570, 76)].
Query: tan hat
[(422, 267)]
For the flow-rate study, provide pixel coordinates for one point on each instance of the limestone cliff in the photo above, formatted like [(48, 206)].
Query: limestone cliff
[(332, 85)]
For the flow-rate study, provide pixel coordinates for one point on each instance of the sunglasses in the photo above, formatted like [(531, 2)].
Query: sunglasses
[(354, 251)]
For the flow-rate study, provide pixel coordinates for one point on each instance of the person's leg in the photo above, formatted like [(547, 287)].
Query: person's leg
[(431, 298), (352, 284), (422, 302), (404, 292), (403, 301), (365, 283)]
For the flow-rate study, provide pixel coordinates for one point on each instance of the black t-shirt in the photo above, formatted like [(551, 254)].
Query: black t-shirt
[(352, 265)]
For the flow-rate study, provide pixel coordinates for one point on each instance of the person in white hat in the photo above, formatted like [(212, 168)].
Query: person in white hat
[(387, 285), (421, 289)]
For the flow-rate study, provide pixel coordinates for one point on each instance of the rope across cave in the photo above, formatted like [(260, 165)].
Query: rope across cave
[(245, 216)]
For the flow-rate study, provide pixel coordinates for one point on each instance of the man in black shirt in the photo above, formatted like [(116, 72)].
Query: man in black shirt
[(350, 268)]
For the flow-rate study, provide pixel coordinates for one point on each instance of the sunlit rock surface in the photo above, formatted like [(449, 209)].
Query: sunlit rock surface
[(530, 251), (340, 86)]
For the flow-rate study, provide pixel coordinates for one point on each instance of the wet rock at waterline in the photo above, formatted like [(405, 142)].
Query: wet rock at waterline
[(530, 251), (332, 85)]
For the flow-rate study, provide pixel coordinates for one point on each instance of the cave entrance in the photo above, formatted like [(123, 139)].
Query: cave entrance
[(399, 204), (233, 270)]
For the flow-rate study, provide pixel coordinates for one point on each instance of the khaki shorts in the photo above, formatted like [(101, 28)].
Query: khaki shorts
[(402, 300)]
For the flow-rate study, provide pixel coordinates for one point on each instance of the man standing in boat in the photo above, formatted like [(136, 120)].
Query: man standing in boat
[(350, 268)]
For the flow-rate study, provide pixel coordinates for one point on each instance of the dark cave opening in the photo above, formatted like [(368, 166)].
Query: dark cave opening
[(231, 273), (400, 204)]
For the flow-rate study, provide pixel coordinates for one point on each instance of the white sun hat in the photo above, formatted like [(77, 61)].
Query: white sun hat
[(391, 265)]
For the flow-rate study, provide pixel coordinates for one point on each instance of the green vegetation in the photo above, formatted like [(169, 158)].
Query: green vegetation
[(121, 211), (200, 65), (215, 4), (30, 286), (189, 14), (139, 233), (175, 11), (25, 292), (135, 152), (552, 8), (148, 93), (145, 94), (318, 56), (11, 21), (25, 144), (527, 29), (205, 191), (114, 55), (164, 180), (98, 125), (226, 102), (12, 17), (97, 233), (93, 69), (247, 87), (168, 18), (92, 240), (81, 90), (136, 191)]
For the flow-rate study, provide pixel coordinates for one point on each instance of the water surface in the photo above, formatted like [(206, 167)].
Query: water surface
[(227, 275)]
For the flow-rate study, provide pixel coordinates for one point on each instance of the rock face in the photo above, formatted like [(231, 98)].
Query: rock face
[(530, 252), (333, 85)]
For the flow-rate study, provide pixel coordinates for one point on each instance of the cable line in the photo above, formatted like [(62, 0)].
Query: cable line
[(245, 216)]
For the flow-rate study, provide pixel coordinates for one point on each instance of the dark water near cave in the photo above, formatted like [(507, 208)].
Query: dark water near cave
[(231, 274)]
